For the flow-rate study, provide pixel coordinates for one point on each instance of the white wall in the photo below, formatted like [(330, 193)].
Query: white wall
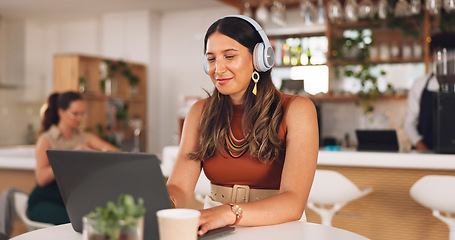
[(181, 72), (169, 43)]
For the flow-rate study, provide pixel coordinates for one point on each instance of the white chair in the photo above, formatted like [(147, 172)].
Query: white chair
[(20, 206), (330, 188), (437, 192), (169, 158), (202, 187), (167, 165)]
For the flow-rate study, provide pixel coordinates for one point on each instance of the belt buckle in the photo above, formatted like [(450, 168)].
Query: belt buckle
[(240, 193)]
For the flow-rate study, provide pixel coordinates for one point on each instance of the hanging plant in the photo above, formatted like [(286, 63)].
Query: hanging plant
[(116, 67), (369, 91), (362, 70), (410, 26)]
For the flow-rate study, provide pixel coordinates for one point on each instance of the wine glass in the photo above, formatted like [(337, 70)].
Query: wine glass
[(307, 11), (383, 9), (262, 13), (334, 10), (321, 12), (366, 9), (350, 10), (247, 10), (277, 13), (433, 6), (449, 5), (402, 9), (415, 7)]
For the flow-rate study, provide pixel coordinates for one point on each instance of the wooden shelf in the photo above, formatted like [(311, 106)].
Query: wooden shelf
[(102, 109), (299, 65), (391, 61), (352, 97)]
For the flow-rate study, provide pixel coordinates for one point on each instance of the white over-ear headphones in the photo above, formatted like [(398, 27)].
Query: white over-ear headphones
[(263, 55)]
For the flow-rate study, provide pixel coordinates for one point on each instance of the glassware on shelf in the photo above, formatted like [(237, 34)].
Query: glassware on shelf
[(417, 49), (394, 50), (321, 12), (449, 5), (373, 52), (334, 11), (384, 52), (286, 55), (402, 9), (383, 9), (262, 13), (294, 51), (433, 6), (247, 10), (307, 12), (415, 7), (350, 11), (366, 9), (406, 50), (277, 45), (278, 13)]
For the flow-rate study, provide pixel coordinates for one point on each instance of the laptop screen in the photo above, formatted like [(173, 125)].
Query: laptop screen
[(89, 179), (377, 140)]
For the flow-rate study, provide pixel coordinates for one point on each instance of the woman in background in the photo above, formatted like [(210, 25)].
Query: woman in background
[(257, 146), (60, 129)]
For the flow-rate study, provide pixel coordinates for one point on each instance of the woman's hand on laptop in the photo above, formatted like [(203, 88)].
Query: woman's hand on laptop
[(216, 217), (83, 147)]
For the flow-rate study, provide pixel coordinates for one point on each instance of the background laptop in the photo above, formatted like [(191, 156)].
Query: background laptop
[(88, 179), (377, 140)]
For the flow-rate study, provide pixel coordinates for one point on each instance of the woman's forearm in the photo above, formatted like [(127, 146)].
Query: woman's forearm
[(44, 176)]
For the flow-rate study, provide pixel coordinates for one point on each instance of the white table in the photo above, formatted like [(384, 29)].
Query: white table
[(296, 230)]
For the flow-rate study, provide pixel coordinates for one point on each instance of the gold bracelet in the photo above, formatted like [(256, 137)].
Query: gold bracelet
[(173, 202)]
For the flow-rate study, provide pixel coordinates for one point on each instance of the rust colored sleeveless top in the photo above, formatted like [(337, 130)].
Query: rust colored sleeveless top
[(222, 169)]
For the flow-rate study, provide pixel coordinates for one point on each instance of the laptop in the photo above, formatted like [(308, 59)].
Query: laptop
[(377, 140), (89, 179)]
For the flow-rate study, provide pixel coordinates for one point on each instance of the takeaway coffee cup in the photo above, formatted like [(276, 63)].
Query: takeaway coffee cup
[(178, 224)]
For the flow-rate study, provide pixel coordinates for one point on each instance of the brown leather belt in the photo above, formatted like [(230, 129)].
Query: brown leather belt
[(239, 193)]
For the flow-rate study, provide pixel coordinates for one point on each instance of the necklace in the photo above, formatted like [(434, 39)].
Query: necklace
[(236, 147)]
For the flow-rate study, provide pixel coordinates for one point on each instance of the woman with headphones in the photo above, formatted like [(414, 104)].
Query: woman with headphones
[(257, 146)]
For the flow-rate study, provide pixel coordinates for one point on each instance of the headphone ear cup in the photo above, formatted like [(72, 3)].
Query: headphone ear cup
[(204, 64), (258, 57)]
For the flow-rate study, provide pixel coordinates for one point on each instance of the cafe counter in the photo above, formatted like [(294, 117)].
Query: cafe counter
[(388, 212)]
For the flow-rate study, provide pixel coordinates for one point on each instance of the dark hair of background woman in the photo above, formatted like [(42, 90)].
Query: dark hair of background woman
[(262, 114), (55, 102)]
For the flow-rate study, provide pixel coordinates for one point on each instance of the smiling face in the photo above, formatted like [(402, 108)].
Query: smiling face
[(229, 65)]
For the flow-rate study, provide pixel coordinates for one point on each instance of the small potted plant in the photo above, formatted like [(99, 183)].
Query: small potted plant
[(123, 220)]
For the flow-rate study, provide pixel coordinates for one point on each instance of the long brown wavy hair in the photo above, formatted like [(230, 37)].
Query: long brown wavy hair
[(262, 114)]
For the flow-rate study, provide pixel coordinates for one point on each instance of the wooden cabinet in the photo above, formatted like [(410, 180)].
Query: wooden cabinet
[(113, 114)]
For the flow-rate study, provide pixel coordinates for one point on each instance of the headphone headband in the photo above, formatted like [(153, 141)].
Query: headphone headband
[(263, 54)]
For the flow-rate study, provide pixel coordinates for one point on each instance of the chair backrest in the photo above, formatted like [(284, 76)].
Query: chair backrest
[(330, 187), (167, 165), (203, 185), (168, 160), (435, 192), (20, 206)]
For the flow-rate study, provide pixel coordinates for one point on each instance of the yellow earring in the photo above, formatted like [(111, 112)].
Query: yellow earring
[(255, 76), (218, 95)]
